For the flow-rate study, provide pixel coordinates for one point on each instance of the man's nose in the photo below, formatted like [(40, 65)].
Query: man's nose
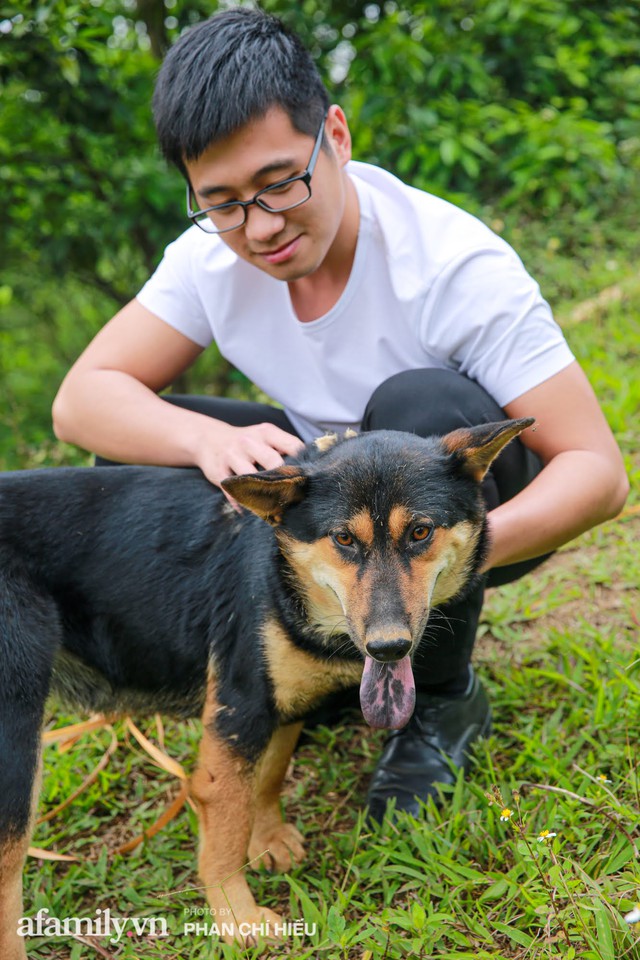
[(261, 225)]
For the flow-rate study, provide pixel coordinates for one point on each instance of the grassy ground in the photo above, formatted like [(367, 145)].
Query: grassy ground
[(559, 653)]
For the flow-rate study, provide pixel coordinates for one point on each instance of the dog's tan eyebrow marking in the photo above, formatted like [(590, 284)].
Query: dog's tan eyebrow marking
[(399, 520), (361, 524)]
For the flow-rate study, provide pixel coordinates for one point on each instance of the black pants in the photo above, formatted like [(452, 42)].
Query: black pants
[(424, 402)]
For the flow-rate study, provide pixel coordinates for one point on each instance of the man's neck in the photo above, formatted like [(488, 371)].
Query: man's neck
[(316, 294)]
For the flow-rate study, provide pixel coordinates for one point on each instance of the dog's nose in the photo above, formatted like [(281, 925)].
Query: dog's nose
[(386, 651)]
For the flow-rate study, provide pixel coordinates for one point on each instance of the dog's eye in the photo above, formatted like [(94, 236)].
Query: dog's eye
[(344, 538), (421, 533)]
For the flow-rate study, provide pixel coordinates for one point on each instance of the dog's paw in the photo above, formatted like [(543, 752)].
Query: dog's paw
[(278, 847)]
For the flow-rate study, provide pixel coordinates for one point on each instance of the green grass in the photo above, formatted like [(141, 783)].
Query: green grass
[(559, 654)]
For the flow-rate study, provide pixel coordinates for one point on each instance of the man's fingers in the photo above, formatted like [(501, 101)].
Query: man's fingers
[(255, 456), (289, 444), (241, 463), (254, 448), (269, 459), (280, 440)]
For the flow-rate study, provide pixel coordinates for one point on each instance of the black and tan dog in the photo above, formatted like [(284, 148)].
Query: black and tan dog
[(138, 589)]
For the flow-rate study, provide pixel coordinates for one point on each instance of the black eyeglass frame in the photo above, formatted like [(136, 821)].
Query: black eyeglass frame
[(244, 204)]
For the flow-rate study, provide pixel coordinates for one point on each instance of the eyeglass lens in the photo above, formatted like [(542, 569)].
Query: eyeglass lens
[(276, 198)]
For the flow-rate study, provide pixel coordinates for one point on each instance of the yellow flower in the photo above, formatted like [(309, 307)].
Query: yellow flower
[(602, 779), (506, 814), (545, 835)]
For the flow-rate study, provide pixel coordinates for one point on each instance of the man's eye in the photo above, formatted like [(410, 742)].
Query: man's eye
[(279, 188), (231, 211)]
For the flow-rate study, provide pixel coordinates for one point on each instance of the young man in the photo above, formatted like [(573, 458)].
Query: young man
[(354, 301)]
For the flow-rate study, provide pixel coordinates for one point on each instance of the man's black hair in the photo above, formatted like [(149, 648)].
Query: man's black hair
[(228, 71)]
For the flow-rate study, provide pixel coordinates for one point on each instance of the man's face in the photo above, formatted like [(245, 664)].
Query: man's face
[(294, 243)]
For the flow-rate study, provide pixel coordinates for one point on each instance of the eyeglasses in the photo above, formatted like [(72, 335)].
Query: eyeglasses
[(276, 198)]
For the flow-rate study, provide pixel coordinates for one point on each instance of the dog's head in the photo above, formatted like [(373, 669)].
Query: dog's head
[(376, 529)]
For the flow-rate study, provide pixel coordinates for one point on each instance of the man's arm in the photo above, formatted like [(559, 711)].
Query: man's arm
[(583, 481), (108, 404)]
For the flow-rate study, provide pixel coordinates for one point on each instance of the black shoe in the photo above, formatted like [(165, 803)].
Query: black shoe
[(441, 731)]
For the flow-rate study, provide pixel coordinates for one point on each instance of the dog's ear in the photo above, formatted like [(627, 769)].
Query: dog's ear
[(477, 447), (269, 492)]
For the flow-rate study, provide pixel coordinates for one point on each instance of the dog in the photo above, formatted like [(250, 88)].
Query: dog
[(142, 590)]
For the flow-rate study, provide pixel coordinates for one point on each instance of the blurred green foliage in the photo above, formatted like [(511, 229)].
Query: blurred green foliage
[(536, 102), (500, 105)]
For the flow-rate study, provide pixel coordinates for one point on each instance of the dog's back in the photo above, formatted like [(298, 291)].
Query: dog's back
[(129, 563)]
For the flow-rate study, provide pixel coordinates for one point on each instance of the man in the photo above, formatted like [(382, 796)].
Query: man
[(354, 301)]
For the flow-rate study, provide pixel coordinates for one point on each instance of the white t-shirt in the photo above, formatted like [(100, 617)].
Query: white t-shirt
[(431, 286)]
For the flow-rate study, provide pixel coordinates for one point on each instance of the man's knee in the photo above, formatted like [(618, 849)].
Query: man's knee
[(429, 401), (434, 402)]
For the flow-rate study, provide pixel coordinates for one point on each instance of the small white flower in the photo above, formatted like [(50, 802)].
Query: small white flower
[(545, 835), (506, 814), (602, 779), (633, 916)]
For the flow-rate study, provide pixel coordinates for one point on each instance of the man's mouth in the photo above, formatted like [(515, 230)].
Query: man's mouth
[(282, 253)]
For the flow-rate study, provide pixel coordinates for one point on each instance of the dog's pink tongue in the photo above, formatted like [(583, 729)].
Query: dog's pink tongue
[(387, 693)]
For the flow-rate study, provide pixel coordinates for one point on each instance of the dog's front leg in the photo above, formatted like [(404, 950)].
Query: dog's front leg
[(273, 841), (12, 856), (16, 822), (223, 787)]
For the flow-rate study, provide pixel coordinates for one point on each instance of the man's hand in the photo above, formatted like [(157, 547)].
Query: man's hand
[(237, 450)]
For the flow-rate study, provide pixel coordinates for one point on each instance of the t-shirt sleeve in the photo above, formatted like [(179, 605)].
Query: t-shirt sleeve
[(485, 317), (172, 294)]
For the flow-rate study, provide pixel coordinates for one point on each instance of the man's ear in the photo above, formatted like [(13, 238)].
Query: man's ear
[(338, 134), (477, 447), (269, 492)]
